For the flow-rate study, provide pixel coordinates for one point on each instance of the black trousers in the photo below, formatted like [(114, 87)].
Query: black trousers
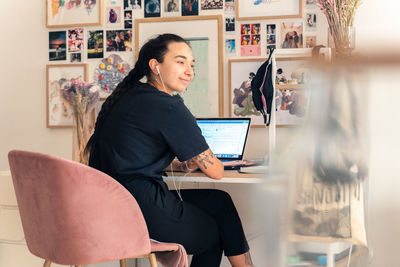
[(206, 222)]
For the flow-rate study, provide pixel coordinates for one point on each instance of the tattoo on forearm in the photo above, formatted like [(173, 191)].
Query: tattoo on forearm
[(247, 259), (205, 157)]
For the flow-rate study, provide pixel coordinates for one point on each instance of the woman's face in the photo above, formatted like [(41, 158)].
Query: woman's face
[(177, 68)]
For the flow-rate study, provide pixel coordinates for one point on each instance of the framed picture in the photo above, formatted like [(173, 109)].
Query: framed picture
[(268, 9), (59, 111), (204, 96), (292, 96), (73, 13), (291, 34)]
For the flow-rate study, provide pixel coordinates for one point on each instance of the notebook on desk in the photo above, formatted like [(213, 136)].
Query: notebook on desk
[(227, 138)]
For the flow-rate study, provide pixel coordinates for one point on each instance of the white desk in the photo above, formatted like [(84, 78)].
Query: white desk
[(229, 177)]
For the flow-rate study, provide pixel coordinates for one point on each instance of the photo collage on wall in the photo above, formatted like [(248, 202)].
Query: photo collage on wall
[(109, 47), (120, 14)]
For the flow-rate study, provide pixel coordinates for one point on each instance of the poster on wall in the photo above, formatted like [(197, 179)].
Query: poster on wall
[(291, 35), (67, 13), (119, 41), (269, 9), (171, 8), (311, 21), (132, 4), (152, 8), (229, 6), (75, 57), (230, 47), (113, 16), (292, 96), (109, 73), (230, 25), (212, 4), (311, 41), (128, 19), (271, 37), (75, 40), (250, 40), (95, 46), (57, 46), (190, 7)]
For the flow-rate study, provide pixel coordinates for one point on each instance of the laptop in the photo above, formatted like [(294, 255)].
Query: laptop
[(226, 138)]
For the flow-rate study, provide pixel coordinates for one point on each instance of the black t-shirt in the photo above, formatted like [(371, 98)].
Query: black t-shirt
[(143, 133)]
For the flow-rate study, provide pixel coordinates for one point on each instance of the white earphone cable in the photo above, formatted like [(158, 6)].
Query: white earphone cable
[(178, 188), (161, 79)]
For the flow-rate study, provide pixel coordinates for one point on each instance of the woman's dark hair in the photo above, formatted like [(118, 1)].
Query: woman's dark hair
[(154, 48)]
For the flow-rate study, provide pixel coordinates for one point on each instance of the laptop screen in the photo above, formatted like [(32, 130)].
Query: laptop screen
[(226, 137)]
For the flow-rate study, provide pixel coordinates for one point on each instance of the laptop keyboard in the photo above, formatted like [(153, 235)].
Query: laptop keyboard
[(237, 164)]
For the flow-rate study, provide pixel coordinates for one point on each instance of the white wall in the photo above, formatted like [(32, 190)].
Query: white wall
[(377, 24), (24, 47), (384, 182)]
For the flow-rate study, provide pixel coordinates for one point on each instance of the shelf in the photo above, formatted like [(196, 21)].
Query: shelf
[(290, 86), (359, 258)]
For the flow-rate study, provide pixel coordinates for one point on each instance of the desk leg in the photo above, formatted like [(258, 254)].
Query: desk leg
[(330, 257)]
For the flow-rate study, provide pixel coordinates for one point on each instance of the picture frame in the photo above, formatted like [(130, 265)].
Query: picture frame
[(59, 111), (268, 9), (240, 98), (206, 32), (71, 14), (291, 35)]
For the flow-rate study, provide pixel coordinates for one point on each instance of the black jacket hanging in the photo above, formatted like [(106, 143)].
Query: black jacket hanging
[(262, 87)]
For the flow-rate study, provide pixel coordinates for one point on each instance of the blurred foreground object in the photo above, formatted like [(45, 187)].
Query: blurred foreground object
[(330, 171), (361, 207)]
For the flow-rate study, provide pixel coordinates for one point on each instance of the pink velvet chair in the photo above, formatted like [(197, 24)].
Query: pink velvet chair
[(73, 214)]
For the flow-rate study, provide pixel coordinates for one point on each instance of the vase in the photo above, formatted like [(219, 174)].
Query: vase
[(342, 41), (83, 126)]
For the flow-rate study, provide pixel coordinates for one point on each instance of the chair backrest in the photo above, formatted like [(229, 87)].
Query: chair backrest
[(74, 214)]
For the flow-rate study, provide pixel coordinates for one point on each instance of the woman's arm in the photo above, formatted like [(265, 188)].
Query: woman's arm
[(206, 162), (209, 164)]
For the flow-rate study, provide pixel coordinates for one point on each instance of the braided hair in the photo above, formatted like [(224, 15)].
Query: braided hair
[(154, 48)]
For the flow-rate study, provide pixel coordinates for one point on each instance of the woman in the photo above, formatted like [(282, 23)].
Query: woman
[(140, 129)]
